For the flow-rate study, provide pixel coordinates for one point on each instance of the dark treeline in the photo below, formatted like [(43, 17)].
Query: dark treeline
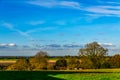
[(92, 56)]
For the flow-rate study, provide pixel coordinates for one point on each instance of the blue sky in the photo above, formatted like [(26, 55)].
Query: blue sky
[(35, 25)]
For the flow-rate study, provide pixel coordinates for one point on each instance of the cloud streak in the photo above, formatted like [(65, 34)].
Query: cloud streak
[(11, 27), (28, 32), (7, 25), (104, 9), (8, 45), (54, 3), (40, 29), (107, 44)]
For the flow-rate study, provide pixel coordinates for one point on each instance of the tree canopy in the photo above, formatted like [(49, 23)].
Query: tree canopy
[(39, 61), (115, 61), (95, 52), (61, 64), (93, 49)]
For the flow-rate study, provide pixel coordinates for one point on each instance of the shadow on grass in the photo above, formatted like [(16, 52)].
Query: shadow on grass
[(27, 75), (34, 75)]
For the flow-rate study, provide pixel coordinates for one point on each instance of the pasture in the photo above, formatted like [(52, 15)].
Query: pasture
[(100, 74)]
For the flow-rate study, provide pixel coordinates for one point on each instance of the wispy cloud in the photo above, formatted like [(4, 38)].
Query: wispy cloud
[(71, 4), (102, 9), (54, 3), (8, 45), (11, 27), (105, 10), (40, 29), (7, 25), (28, 32), (109, 2), (21, 32), (107, 44)]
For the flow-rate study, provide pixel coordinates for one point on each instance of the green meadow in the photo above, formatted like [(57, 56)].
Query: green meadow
[(102, 74), (88, 76)]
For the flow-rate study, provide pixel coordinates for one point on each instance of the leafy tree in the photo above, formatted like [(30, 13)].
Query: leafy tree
[(41, 54), (39, 61), (73, 63), (50, 66), (106, 63), (61, 64), (94, 52), (11, 67), (86, 63), (115, 61), (93, 49), (21, 64)]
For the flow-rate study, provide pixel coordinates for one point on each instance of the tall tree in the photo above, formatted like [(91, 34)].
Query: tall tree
[(39, 61), (95, 52), (93, 49)]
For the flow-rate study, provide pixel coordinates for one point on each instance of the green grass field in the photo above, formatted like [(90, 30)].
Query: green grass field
[(89, 76), (109, 74)]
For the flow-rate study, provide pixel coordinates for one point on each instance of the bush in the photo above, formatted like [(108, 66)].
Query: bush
[(61, 64)]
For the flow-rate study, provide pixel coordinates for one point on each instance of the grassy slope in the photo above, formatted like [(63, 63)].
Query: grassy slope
[(61, 75), (89, 76)]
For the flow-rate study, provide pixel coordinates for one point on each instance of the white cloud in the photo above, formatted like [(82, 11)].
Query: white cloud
[(107, 44), (105, 10), (42, 3), (100, 9), (3, 45), (71, 4), (110, 44), (55, 3), (110, 7), (11, 44)]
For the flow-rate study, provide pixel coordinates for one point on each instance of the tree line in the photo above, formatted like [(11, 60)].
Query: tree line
[(91, 56)]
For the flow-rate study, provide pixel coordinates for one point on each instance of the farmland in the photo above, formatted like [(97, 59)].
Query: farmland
[(99, 74)]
